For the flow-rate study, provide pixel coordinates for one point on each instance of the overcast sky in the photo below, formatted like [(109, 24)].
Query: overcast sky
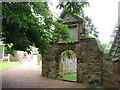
[(104, 14)]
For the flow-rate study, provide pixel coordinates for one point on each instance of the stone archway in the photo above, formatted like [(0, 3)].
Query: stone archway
[(89, 62), (68, 62)]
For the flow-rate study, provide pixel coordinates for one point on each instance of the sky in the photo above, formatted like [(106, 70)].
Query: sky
[(104, 15)]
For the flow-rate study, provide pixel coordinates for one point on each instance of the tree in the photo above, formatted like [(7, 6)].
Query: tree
[(76, 8), (28, 24), (91, 26), (104, 45), (73, 8)]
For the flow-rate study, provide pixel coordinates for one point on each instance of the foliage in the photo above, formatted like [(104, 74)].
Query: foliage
[(69, 53), (73, 8), (104, 45), (76, 8), (91, 26), (9, 49), (99, 45), (7, 65), (28, 24), (22, 28)]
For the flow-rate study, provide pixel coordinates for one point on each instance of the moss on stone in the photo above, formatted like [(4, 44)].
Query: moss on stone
[(98, 42)]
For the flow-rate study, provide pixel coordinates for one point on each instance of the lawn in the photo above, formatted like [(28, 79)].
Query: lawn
[(72, 77), (7, 65)]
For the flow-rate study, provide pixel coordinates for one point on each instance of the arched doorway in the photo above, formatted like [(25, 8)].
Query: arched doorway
[(68, 65)]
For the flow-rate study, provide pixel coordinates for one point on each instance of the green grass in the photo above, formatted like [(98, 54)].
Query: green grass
[(88, 36), (72, 77), (7, 65)]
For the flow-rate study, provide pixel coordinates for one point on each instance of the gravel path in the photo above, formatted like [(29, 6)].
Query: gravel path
[(29, 76)]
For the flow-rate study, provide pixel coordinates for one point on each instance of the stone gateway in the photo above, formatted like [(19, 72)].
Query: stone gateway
[(88, 54)]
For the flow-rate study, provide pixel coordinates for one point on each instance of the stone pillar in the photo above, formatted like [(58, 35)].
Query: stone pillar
[(39, 61), (1, 52), (50, 67), (35, 55), (8, 57)]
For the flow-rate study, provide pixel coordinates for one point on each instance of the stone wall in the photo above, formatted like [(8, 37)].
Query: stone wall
[(25, 57), (89, 62), (50, 66), (14, 58), (22, 56), (108, 72), (111, 74)]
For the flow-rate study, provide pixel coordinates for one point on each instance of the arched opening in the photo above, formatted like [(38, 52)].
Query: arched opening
[(68, 65)]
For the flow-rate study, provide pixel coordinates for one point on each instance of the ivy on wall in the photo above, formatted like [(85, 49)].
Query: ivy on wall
[(69, 53)]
